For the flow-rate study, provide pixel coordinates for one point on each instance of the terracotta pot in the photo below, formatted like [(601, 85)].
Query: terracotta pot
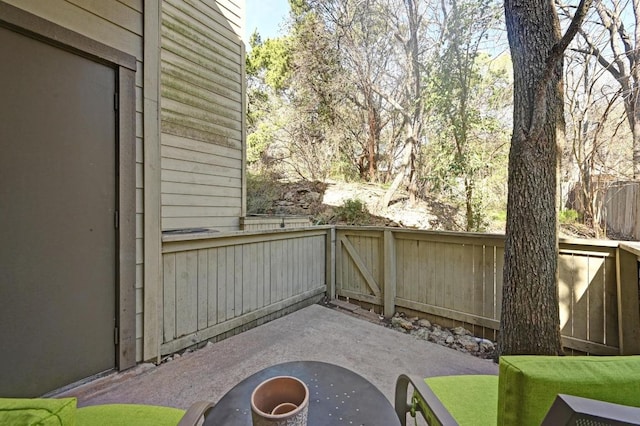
[(280, 401)]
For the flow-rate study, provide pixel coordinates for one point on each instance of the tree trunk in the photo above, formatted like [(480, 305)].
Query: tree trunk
[(530, 322)]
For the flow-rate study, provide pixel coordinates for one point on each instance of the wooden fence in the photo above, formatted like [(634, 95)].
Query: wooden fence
[(622, 208), (215, 284), (458, 277)]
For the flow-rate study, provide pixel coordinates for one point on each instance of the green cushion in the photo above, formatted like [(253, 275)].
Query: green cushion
[(128, 415), (471, 400), (529, 384), (38, 411)]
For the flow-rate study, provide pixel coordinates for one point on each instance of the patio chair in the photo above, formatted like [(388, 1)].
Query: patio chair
[(573, 411), (63, 412), (522, 393)]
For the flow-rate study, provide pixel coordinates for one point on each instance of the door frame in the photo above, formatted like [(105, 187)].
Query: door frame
[(124, 66)]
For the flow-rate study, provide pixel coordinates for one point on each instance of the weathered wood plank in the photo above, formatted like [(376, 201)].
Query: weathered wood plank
[(207, 213), (249, 278), (589, 347), (184, 74), (187, 200), (390, 271), (186, 293), (565, 293), (478, 283), (212, 287), (261, 282), (199, 179), (611, 304), (229, 223), (628, 297), (362, 268), (222, 131), (186, 16), (225, 154), (218, 329), (449, 313), (185, 96), (169, 298), (596, 316), (191, 189), (207, 169), (581, 283), (222, 284), (202, 268)]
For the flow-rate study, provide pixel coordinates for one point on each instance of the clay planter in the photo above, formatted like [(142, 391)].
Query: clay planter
[(280, 401)]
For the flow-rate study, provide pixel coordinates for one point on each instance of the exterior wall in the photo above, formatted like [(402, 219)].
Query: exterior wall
[(118, 24), (202, 109), (191, 86)]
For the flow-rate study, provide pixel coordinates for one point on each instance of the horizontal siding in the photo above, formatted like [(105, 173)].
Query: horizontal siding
[(201, 74), (220, 223), (201, 114)]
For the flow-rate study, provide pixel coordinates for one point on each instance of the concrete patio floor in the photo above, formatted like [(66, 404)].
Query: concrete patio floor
[(314, 333)]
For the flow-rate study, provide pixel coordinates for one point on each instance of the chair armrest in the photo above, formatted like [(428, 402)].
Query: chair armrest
[(195, 413), (438, 415), (571, 410)]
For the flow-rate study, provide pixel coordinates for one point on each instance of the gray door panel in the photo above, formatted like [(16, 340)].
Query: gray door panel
[(57, 201)]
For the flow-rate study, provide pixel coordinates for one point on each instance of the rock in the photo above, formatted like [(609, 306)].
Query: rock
[(176, 356), (424, 323), (400, 322), (461, 331), (449, 340), (209, 344), (439, 336), (313, 197), (487, 345), (468, 343), (413, 319), (421, 333)]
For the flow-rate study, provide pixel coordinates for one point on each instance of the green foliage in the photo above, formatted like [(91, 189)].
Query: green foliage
[(272, 58), (259, 141), (353, 212), (262, 191), (568, 216)]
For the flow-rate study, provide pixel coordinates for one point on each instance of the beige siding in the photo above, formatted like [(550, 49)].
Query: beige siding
[(201, 114), (117, 24)]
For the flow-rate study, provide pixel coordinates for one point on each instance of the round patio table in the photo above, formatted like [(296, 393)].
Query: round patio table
[(337, 396)]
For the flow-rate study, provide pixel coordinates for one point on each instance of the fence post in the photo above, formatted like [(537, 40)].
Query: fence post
[(389, 256), (330, 263), (628, 309)]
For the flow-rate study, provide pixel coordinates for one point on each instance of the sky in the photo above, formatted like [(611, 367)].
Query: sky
[(265, 15)]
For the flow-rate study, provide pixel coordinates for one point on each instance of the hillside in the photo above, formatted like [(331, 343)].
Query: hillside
[(324, 203)]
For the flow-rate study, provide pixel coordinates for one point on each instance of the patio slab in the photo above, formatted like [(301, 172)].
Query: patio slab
[(314, 333)]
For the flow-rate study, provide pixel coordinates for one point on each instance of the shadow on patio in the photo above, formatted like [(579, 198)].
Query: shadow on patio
[(313, 333)]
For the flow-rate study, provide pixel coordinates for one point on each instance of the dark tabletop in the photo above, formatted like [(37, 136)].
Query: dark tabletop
[(337, 396)]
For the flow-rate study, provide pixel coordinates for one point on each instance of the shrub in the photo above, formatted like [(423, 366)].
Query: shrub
[(353, 212), (262, 191), (568, 216)]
